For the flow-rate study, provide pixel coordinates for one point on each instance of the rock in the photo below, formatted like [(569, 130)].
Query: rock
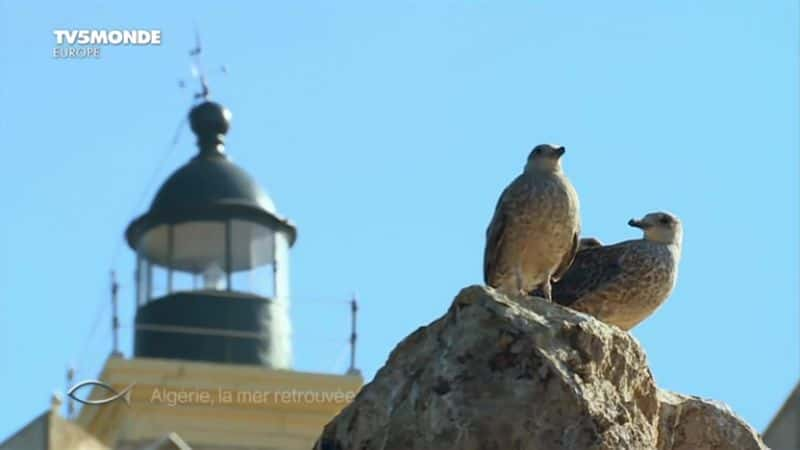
[(691, 423), (524, 373)]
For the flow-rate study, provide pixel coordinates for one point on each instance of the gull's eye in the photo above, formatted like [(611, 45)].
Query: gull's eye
[(664, 221)]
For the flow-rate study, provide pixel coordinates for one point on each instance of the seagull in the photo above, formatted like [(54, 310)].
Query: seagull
[(533, 235), (622, 284)]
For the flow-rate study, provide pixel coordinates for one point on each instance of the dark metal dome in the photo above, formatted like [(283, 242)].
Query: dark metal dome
[(210, 180), (209, 186)]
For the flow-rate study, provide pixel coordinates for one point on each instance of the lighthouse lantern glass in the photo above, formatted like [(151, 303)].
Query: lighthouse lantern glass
[(252, 258), (234, 255)]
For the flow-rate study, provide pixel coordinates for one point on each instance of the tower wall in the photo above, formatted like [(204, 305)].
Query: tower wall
[(220, 327)]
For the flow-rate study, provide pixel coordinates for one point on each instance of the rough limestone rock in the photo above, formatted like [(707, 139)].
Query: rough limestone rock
[(691, 423), (523, 373)]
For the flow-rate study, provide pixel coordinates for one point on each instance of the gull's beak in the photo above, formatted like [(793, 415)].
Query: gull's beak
[(637, 224), (560, 151)]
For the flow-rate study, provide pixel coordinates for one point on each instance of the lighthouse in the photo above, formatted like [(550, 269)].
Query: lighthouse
[(212, 252), (211, 365)]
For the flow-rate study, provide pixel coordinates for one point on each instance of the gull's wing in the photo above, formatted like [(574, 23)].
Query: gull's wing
[(590, 271), (568, 259), (494, 239)]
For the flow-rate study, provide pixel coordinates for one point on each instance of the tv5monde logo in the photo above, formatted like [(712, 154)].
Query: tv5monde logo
[(88, 43)]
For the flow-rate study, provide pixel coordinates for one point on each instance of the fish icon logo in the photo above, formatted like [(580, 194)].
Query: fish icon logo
[(124, 394)]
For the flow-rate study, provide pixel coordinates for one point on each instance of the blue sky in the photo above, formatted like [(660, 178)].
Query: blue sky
[(386, 132)]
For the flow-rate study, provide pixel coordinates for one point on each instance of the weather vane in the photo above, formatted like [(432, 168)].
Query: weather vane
[(197, 68)]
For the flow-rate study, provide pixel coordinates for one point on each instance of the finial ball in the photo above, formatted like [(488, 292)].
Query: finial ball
[(209, 120)]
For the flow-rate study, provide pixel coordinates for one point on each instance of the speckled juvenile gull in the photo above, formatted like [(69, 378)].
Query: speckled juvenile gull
[(622, 284), (533, 235)]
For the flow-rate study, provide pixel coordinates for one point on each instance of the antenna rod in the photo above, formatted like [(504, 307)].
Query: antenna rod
[(70, 401), (353, 336), (114, 317)]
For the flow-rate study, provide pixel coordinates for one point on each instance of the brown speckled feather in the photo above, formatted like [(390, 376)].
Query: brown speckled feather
[(620, 284), (569, 258), (590, 270), (494, 239), (534, 229)]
